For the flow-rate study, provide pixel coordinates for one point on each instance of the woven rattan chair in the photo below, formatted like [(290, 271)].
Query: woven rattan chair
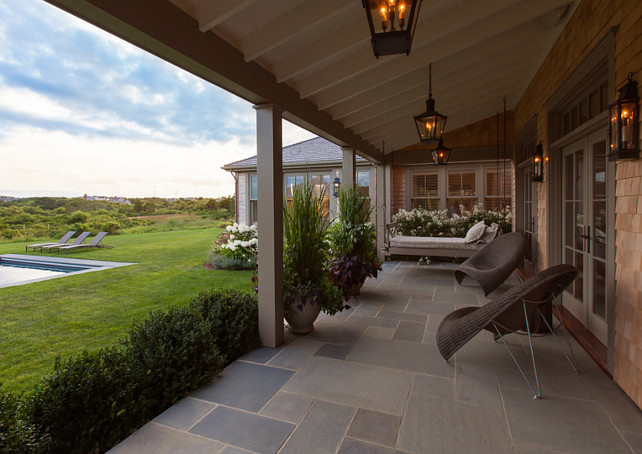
[(492, 265), (511, 312)]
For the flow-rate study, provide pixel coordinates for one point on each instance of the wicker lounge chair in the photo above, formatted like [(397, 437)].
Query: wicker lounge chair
[(79, 239), (511, 312), (95, 242), (60, 242), (492, 265)]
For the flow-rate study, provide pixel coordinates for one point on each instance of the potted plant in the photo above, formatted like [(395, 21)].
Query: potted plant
[(307, 288), (353, 239)]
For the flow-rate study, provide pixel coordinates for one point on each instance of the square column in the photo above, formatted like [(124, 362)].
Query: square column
[(381, 209), (349, 167), (270, 214)]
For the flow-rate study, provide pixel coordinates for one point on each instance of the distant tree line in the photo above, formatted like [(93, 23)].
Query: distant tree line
[(36, 217)]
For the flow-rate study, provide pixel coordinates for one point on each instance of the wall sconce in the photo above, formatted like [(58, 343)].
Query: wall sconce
[(396, 31), (335, 186), (430, 124), (441, 154), (624, 123), (538, 164)]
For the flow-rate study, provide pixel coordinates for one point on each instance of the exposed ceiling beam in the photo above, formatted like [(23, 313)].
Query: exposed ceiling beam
[(211, 13), (173, 35), (354, 74), (313, 56), (291, 26)]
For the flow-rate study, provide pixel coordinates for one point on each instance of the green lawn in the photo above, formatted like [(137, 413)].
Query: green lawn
[(66, 315)]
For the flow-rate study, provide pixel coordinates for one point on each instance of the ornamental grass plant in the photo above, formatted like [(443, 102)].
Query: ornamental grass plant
[(305, 250)]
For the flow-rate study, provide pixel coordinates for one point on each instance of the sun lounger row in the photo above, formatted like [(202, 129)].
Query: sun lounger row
[(63, 246)]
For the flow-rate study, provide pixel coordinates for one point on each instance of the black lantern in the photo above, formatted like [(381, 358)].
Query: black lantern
[(391, 25), (538, 164), (441, 154), (335, 186), (624, 123), (430, 124)]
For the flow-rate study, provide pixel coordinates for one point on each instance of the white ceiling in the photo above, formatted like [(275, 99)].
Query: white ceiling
[(314, 58)]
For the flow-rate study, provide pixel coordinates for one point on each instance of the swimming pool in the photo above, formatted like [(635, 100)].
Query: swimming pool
[(16, 269)]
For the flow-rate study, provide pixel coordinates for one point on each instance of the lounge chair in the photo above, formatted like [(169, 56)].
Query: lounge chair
[(79, 239), (95, 242), (492, 265), (511, 312), (61, 241)]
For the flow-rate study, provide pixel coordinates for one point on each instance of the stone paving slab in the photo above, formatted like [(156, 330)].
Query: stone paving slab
[(244, 385), (375, 427), (433, 424), (244, 430), (288, 407), (184, 414), (401, 355), (155, 439), (352, 384), (562, 423), (321, 431)]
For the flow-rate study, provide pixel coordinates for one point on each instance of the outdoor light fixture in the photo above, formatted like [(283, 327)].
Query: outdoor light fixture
[(625, 123), (391, 25), (430, 124), (441, 154), (538, 164), (335, 186)]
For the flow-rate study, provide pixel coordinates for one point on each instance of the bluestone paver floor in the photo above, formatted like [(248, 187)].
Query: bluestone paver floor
[(372, 381)]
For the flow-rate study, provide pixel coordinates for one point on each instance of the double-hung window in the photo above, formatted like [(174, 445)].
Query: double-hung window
[(462, 190), (425, 190)]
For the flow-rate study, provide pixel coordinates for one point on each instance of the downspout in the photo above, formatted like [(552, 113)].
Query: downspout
[(236, 196)]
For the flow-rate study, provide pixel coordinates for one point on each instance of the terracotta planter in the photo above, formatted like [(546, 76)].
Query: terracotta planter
[(301, 316)]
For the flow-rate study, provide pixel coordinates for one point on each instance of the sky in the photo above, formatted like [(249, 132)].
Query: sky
[(84, 112)]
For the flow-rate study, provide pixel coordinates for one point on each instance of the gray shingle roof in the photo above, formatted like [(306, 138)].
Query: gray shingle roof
[(310, 152)]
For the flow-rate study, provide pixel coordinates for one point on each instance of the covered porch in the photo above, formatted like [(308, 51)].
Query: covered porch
[(371, 380), (558, 64)]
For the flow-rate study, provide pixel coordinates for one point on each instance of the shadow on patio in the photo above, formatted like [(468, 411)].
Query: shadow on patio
[(370, 380)]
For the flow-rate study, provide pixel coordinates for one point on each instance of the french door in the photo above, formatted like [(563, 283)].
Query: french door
[(584, 230), (529, 220)]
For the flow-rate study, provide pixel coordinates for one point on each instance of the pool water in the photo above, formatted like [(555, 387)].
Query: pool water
[(23, 269)]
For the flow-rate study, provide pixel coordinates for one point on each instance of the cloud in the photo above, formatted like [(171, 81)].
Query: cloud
[(85, 112)]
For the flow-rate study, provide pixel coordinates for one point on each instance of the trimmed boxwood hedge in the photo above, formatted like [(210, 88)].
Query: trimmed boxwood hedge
[(92, 401)]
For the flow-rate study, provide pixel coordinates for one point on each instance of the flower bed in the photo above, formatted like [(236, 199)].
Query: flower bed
[(236, 248), (420, 222)]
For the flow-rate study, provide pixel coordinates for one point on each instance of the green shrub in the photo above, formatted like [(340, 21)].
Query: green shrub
[(87, 404), (171, 354), (92, 401), (233, 317), (222, 262), (16, 436)]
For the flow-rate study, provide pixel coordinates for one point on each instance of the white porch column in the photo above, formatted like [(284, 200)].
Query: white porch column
[(349, 161), (382, 185), (270, 213)]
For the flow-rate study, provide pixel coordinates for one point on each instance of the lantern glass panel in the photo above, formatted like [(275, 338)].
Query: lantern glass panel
[(627, 129)]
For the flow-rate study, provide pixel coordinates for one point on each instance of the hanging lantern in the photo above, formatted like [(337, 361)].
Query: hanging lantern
[(624, 123), (538, 164), (335, 186), (441, 154), (391, 25), (430, 124)]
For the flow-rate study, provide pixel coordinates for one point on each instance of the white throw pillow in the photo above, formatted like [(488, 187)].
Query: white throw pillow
[(490, 233), (475, 232)]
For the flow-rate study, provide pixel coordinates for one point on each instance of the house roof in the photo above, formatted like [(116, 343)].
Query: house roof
[(312, 152)]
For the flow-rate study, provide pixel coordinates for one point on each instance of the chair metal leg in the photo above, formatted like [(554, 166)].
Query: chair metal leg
[(568, 341), (536, 395)]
